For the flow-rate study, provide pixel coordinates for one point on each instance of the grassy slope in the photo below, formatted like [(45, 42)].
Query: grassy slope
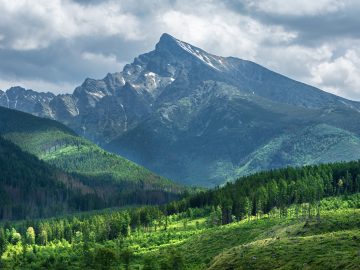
[(60, 146), (215, 248), (267, 243), (288, 244), (332, 244), (336, 250)]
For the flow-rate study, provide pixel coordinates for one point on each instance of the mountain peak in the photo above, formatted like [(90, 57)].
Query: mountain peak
[(166, 36), (16, 88), (166, 42), (169, 42), (174, 46)]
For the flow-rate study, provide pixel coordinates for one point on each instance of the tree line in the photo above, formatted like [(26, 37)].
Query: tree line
[(282, 192), (262, 193), (31, 188)]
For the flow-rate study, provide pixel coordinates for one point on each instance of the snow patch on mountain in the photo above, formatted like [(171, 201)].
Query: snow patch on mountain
[(98, 95), (208, 59), (125, 117), (7, 100)]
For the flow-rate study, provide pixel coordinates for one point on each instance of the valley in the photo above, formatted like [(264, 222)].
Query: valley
[(181, 160)]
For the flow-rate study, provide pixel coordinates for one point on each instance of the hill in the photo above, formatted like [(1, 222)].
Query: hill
[(203, 119), (31, 188), (116, 180)]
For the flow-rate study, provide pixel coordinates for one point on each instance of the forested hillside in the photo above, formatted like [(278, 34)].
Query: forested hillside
[(271, 220), (60, 146), (115, 180), (261, 192), (30, 188)]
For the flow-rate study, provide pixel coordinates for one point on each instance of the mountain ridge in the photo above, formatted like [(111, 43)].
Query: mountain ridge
[(179, 110)]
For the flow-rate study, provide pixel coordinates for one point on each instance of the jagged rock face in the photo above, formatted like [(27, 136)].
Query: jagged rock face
[(202, 119), (64, 108), (115, 114), (26, 100)]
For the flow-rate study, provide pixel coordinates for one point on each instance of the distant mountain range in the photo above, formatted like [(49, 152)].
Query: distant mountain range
[(203, 119)]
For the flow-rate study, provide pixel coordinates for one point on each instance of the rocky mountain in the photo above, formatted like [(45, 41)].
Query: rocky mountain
[(203, 119), (28, 101)]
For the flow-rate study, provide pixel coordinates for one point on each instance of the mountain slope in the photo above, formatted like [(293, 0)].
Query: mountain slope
[(203, 119), (219, 112), (218, 132), (30, 188), (282, 219), (117, 180)]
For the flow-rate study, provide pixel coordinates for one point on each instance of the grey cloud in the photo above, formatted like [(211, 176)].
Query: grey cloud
[(311, 28), (34, 47), (62, 61), (89, 2)]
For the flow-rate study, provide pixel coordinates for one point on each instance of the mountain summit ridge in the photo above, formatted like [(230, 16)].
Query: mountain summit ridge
[(144, 74), (201, 118), (168, 42)]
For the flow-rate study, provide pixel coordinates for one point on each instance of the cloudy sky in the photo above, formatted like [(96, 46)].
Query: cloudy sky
[(55, 44)]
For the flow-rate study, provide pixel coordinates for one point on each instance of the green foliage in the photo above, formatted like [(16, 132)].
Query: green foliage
[(43, 237), (215, 218), (269, 242), (31, 188), (126, 256), (150, 264), (104, 258), (173, 260), (61, 147), (74, 174), (20, 122), (325, 251), (259, 193), (272, 216), (15, 237), (30, 236), (3, 241)]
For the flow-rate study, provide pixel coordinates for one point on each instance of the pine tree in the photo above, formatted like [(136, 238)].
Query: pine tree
[(247, 207), (30, 236), (43, 237), (3, 241), (126, 256)]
